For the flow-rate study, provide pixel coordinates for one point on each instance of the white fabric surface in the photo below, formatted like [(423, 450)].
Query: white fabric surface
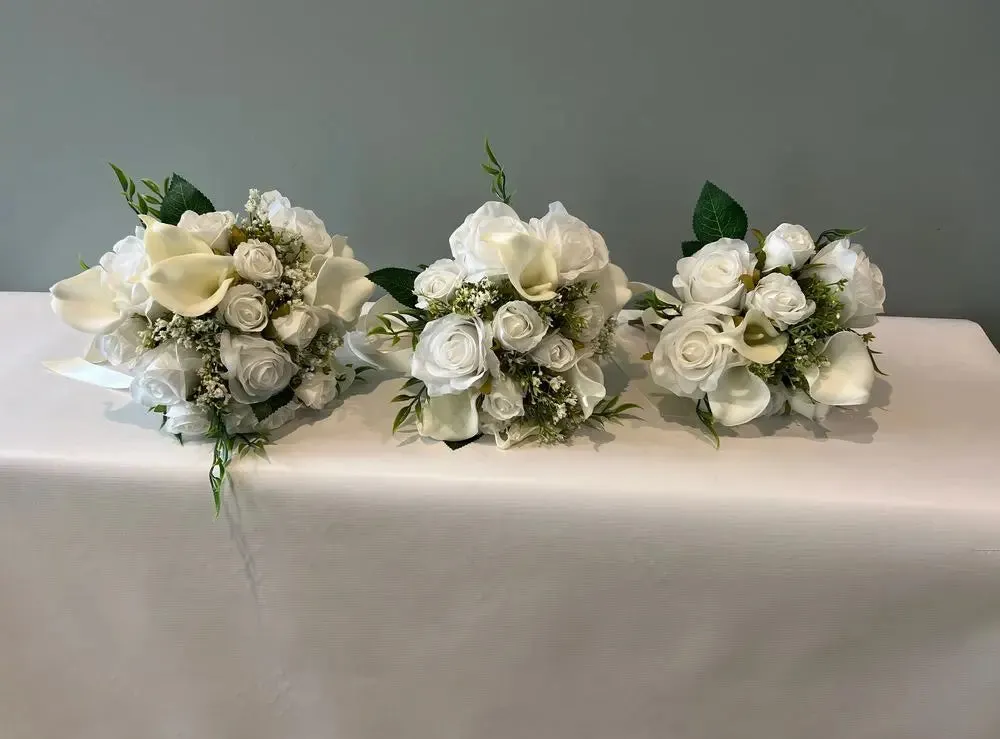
[(634, 585)]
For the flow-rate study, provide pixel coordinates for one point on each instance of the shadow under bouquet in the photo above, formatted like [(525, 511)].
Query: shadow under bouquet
[(224, 326), (754, 331), (505, 337)]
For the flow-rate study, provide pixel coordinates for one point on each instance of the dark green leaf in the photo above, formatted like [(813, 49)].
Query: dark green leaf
[(180, 439), (143, 207), (122, 177), (690, 247), (166, 185), (401, 397), (397, 282), (718, 216), (832, 234), (400, 418), (411, 382), (459, 444), (707, 420), (491, 155), (182, 196), (266, 408), (131, 189), (490, 169)]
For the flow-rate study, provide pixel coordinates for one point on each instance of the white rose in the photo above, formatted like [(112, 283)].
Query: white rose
[(269, 201), (581, 250), (438, 281), (240, 418), (471, 247), (449, 417), (123, 268), (691, 353), (505, 400), (586, 378), (244, 308), (518, 327), (123, 346), (339, 289), (317, 389), (452, 354), (185, 276), (167, 375), (780, 299), (847, 373), (864, 294), (256, 368), (555, 352), (713, 274), (300, 222), (212, 228), (257, 261), (592, 318), (788, 246), (298, 327), (187, 419)]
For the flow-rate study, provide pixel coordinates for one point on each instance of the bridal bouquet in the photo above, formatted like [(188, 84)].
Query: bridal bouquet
[(225, 326), (505, 337), (756, 331)]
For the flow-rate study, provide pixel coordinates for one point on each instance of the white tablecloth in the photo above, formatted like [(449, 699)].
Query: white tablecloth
[(637, 584)]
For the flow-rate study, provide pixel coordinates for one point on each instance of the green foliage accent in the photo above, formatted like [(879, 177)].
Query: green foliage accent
[(453, 445), (660, 307), (832, 234), (83, 265), (499, 175), (140, 203), (267, 407), (612, 410), (689, 248), (227, 446), (704, 411), (398, 283), (413, 401), (717, 215), (181, 196), (868, 338)]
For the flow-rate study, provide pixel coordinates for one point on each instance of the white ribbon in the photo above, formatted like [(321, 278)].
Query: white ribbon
[(93, 374)]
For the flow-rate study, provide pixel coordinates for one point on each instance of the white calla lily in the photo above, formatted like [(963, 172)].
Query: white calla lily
[(449, 417), (586, 378), (739, 398), (379, 350), (800, 402), (848, 374), (340, 287), (86, 303), (756, 339), (190, 285), (530, 264)]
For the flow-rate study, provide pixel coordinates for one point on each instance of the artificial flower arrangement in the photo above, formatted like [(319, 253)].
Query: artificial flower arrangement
[(506, 336), (225, 326), (757, 331)]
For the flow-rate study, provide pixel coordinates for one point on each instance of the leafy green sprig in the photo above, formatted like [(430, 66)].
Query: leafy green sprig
[(495, 170)]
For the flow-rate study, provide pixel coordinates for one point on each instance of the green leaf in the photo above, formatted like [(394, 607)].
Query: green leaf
[(759, 235), (143, 207), (131, 189), (122, 177), (490, 170), (180, 439), (266, 408), (459, 444), (411, 382), (832, 234), (401, 397), (182, 196), (401, 417), (397, 282), (151, 185), (491, 155), (690, 247), (83, 265), (718, 216), (707, 420), (158, 409)]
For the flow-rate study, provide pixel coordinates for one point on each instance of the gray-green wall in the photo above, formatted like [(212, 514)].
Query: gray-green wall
[(882, 113)]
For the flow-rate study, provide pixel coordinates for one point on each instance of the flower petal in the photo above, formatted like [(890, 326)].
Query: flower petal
[(190, 285), (450, 417), (757, 339), (739, 398), (340, 287), (586, 378), (164, 241), (530, 264), (379, 351), (85, 303), (801, 403), (850, 374)]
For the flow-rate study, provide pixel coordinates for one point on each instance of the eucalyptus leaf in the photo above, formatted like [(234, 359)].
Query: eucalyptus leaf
[(717, 216)]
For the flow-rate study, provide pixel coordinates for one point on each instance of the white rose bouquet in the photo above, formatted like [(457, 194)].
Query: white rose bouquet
[(507, 335), (224, 326), (753, 332)]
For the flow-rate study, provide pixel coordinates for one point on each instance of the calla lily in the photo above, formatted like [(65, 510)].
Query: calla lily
[(449, 417), (613, 290), (85, 303), (849, 374), (340, 287), (514, 434), (530, 264), (587, 380), (756, 338), (376, 350), (185, 276), (739, 398), (190, 285), (802, 404)]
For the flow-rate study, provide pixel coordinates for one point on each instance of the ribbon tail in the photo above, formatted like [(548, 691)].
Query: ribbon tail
[(84, 371)]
